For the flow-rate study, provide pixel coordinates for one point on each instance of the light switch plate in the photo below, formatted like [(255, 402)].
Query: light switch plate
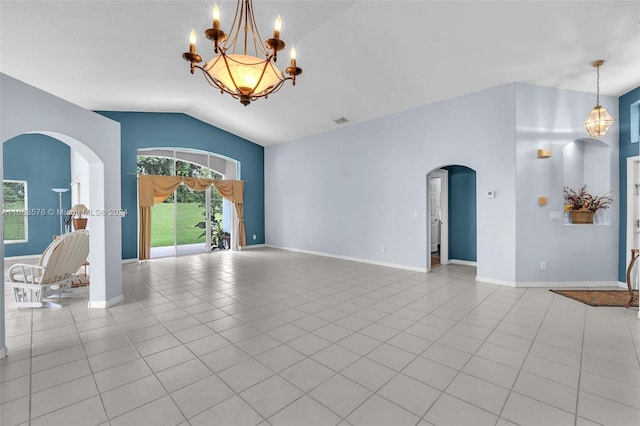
[(555, 216)]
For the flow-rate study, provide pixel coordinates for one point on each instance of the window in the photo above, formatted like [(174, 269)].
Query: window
[(15, 211), (635, 122)]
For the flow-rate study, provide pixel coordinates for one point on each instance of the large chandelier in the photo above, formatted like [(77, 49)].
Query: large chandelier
[(244, 76), (599, 120)]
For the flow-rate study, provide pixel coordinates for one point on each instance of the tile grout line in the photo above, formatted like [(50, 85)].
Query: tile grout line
[(533, 341), (472, 355)]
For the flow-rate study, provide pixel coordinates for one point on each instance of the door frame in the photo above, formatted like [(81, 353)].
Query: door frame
[(633, 207), (444, 205)]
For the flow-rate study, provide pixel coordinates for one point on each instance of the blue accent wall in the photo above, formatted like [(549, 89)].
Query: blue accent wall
[(462, 214), (45, 163), (174, 130), (628, 148)]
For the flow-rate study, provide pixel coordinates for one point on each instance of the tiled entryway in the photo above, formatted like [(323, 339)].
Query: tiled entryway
[(266, 336)]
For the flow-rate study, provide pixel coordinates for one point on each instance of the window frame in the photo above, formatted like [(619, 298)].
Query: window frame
[(24, 211)]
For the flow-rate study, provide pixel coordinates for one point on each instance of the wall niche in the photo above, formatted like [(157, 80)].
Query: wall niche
[(587, 161)]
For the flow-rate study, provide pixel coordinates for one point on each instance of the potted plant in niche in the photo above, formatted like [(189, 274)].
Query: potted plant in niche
[(583, 205), (78, 213)]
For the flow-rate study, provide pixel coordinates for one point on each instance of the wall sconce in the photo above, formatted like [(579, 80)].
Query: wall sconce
[(544, 153)]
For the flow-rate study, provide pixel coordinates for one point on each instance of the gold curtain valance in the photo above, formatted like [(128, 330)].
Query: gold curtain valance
[(153, 189)]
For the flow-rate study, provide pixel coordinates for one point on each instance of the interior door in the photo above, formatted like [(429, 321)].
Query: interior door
[(433, 214), (437, 217)]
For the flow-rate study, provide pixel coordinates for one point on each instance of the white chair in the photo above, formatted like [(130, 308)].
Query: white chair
[(52, 275)]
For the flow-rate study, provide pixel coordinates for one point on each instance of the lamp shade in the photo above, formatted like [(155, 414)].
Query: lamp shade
[(79, 210), (244, 74), (598, 122)]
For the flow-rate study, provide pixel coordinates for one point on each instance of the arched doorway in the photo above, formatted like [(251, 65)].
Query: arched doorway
[(27, 110), (451, 216), (89, 169)]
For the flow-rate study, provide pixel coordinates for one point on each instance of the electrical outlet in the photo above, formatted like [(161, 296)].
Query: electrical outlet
[(543, 265), (311, 241), (254, 236)]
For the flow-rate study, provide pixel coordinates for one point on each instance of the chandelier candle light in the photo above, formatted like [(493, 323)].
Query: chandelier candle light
[(243, 76), (599, 120)]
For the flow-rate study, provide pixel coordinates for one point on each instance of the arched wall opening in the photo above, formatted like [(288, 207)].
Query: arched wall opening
[(94, 181), (27, 110), (452, 235)]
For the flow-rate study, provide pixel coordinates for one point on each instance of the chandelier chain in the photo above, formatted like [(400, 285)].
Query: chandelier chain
[(598, 85)]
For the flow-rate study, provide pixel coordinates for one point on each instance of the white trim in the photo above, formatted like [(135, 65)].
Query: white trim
[(552, 284), (253, 246), (570, 284), (353, 259), (107, 304), (495, 281), (463, 262), (127, 261), (24, 257), (3, 352), (16, 241), (632, 169)]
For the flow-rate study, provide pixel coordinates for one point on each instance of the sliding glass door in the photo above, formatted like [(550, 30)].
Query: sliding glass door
[(188, 222)]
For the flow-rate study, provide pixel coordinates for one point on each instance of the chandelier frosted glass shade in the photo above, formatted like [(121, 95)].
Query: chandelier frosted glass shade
[(244, 74), (598, 122)]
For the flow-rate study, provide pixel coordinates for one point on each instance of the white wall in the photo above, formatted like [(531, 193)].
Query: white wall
[(25, 109), (81, 172), (354, 190), (548, 118)]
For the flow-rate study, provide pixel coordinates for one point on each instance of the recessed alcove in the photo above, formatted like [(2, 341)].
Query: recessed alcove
[(587, 161)]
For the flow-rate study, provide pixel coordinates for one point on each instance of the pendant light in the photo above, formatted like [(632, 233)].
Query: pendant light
[(599, 121)]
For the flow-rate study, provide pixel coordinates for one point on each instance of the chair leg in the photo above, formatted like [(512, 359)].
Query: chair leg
[(27, 295)]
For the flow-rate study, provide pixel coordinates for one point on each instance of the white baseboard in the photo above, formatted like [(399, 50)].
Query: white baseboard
[(569, 284), (463, 262), (3, 352), (552, 284), (127, 261), (253, 246), (495, 281), (106, 304), (353, 259)]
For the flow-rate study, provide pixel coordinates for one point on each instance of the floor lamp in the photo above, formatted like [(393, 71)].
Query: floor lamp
[(60, 191)]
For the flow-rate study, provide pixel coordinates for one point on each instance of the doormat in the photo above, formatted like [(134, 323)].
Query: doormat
[(600, 297)]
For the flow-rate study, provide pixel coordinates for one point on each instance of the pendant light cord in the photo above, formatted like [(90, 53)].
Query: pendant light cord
[(598, 85)]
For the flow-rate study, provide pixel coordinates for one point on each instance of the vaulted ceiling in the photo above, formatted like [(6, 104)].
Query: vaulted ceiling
[(361, 59)]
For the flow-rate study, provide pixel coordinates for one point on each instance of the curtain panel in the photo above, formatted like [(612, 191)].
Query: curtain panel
[(154, 189)]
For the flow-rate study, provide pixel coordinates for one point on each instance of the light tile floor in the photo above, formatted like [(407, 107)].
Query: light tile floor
[(272, 337)]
